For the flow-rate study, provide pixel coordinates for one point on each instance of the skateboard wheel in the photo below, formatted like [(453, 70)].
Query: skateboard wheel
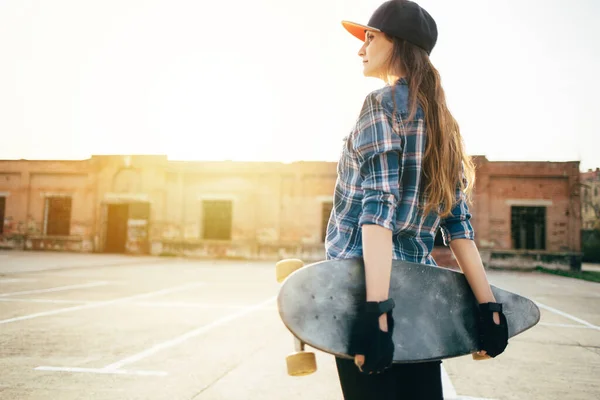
[(285, 267), (301, 363)]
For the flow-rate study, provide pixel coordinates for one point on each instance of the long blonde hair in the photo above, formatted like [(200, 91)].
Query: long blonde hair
[(446, 165)]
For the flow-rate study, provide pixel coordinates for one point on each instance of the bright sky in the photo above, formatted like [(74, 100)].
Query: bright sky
[(276, 80)]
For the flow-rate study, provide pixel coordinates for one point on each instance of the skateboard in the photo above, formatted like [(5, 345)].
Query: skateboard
[(435, 315)]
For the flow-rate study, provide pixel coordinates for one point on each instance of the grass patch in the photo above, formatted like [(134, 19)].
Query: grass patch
[(590, 276)]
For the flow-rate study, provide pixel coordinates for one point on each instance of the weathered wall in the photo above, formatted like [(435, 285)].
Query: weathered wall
[(277, 208), (554, 185), (27, 183)]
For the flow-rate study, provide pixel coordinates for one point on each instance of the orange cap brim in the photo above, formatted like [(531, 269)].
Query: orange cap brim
[(358, 30)]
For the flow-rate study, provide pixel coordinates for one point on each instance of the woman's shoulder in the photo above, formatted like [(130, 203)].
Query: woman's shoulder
[(390, 98)]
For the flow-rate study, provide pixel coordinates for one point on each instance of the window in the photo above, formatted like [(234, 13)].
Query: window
[(57, 216), (217, 219), (2, 210), (326, 208), (528, 228)]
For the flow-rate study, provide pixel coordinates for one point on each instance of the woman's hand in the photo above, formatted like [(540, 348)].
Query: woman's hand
[(383, 325), (371, 340), (482, 355), (493, 331), (359, 359)]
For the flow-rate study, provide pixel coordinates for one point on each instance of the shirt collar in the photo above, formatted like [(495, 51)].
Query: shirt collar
[(401, 81)]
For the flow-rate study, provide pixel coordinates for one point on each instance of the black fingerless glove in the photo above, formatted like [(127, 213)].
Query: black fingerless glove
[(369, 340), (492, 338)]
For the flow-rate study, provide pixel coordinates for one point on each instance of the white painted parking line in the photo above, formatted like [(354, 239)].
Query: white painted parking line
[(561, 313), (448, 387), (450, 392), (55, 289), (104, 303), (566, 315), (48, 301), (17, 280), (115, 368), (565, 325), (147, 304), (103, 371), (188, 335), (177, 304)]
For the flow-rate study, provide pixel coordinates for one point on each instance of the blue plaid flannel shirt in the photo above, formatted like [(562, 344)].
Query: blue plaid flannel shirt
[(378, 178)]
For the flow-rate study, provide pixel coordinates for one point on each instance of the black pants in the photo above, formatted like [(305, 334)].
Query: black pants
[(420, 381)]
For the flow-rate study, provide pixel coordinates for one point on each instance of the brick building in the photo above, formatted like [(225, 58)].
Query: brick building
[(525, 213), (590, 212), (528, 213), (590, 199)]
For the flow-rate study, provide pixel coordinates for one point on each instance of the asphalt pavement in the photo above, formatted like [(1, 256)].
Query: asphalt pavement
[(88, 326)]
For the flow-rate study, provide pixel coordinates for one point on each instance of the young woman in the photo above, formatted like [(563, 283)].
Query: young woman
[(402, 175)]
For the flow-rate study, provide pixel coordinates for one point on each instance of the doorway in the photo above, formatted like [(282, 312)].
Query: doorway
[(528, 228), (116, 228), (2, 208)]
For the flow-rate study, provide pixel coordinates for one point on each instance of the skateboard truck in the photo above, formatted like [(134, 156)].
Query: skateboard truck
[(300, 363)]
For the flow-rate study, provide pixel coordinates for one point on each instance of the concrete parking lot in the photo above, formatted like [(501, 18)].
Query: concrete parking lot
[(81, 326)]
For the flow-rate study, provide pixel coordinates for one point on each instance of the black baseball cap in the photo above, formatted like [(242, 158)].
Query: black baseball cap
[(400, 18)]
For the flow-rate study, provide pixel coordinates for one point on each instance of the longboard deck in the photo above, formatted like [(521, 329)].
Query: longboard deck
[(435, 315)]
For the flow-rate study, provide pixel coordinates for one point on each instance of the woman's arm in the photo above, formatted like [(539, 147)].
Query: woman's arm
[(377, 256), (378, 150), (468, 258)]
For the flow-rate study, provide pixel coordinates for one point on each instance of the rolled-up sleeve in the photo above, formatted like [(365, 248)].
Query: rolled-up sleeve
[(379, 150), (457, 225)]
